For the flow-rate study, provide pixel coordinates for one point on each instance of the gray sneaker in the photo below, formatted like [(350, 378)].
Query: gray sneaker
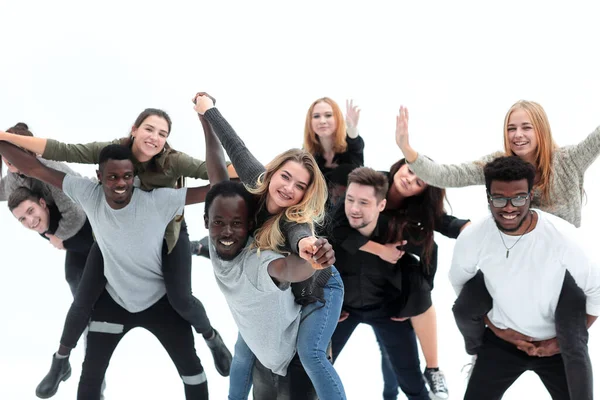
[(200, 247), (437, 384)]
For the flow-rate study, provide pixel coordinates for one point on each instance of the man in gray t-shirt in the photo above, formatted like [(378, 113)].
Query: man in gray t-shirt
[(129, 226), (256, 286)]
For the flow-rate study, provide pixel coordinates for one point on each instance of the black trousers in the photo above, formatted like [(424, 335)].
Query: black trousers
[(110, 323), (474, 302), (296, 385), (74, 267), (177, 274), (500, 363), (400, 343)]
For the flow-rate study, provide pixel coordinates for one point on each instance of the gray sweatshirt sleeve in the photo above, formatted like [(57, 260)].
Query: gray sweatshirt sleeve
[(451, 175), (584, 153), (246, 165), (72, 215), (4, 188)]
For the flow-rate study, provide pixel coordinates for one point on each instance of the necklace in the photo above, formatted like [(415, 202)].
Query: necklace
[(515, 243)]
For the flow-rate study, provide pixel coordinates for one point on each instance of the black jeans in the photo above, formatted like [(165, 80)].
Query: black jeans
[(474, 302), (74, 267), (177, 274), (500, 363), (296, 385), (110, 323), (400, 343)]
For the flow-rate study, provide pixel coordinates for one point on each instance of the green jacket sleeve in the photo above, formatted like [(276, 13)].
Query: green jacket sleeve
[(74, 153)]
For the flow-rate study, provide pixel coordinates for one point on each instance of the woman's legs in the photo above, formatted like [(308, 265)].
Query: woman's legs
[(88, 291), (314, 335)]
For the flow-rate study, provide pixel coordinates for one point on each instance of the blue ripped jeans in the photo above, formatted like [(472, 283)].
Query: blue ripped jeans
[(314, 334)]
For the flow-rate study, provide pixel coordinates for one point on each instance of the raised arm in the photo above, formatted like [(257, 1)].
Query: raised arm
[(440, 175), (30, 165), (215, 157), (246, 165), (584, 153)]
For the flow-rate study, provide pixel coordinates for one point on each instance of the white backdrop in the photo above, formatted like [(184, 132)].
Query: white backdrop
[(82, 71)]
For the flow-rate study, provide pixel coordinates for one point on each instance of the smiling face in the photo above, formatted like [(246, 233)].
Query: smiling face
[(522, 137), (509, 218), (116, 177), (32, 215), (362, 207), (228, 225), (150, 137), (406, 182), (287, 187), (323, 121)]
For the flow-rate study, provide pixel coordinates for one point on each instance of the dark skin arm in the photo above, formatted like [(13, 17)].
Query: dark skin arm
[(215, 161), (30, 165), (215, 156), (295, 269)]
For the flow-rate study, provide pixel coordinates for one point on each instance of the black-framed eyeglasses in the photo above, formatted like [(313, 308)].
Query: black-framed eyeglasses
[(517, 201)]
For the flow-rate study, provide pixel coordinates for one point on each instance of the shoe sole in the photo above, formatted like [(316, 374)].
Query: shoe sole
[(47, 396)]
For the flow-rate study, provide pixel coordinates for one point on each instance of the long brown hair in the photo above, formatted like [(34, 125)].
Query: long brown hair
[(311, 140), (310, 210), (416, 218), (546, 145)]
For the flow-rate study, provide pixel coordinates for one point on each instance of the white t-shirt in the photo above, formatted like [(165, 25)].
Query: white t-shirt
[(131, 238), (266, 314), (525, 286)]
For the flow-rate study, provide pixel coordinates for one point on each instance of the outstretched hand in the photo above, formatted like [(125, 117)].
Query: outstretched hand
[(318, 252), (402, 128), (352, 114), (203, 102)]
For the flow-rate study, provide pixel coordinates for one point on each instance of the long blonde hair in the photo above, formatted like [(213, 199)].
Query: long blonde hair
[(310, 210), (546, 145), (311, 140)]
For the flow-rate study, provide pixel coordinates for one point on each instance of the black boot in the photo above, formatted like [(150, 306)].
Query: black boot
[(59, 372), (220, 353)]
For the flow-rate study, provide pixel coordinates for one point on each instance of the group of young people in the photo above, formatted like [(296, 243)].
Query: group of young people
[(309, 246)]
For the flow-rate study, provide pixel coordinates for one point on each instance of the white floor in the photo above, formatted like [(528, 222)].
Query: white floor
[(35, 299)]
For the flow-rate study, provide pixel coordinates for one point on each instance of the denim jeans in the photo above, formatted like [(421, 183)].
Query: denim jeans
[(400, 343), (315, 331), (474, 302)]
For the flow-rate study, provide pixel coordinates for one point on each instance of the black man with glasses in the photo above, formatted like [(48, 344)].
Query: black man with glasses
[(527, 259)]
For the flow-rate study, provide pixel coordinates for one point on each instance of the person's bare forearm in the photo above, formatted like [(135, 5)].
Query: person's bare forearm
[(291, 269), (29, 165)]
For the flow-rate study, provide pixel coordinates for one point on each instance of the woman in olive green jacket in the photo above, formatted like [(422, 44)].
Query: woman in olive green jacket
[(156, 165)]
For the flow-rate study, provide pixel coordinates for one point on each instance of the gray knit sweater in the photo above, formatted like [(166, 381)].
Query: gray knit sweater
[(569, 164), (72, 215)]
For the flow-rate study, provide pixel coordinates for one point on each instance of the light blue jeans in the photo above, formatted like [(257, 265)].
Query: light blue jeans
[(317, 326)]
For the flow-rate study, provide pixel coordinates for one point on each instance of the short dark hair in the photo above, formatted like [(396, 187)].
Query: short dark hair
[(114, 152), (369, 177), (508, 169), (21, 194), (229, 189)]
